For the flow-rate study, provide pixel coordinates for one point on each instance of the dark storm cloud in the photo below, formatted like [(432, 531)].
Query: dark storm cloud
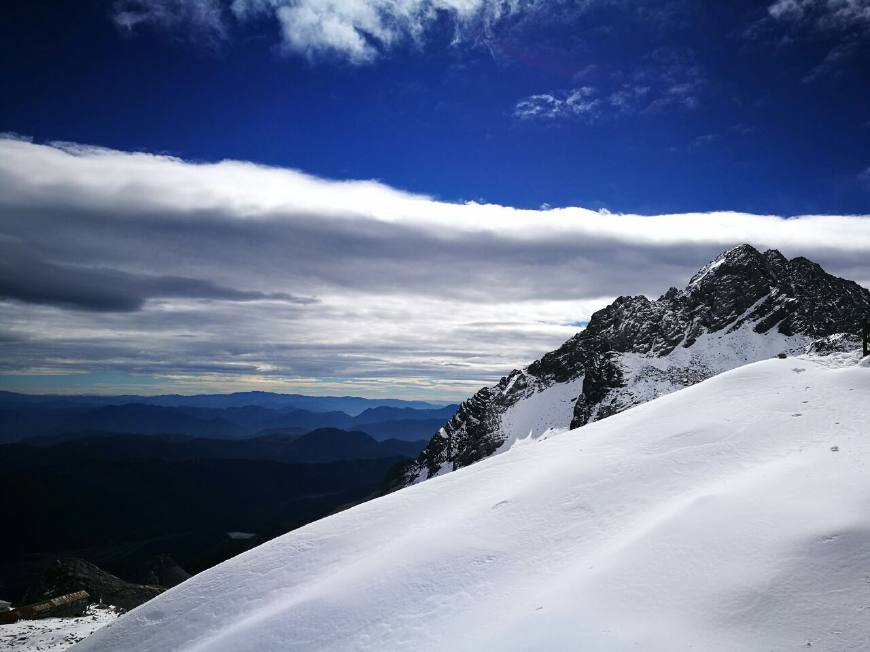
[(316, 252), (26, 277)]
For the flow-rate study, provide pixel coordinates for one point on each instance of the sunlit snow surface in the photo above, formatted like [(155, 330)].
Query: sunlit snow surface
[(717, 517), (54, 634), (540, 412)]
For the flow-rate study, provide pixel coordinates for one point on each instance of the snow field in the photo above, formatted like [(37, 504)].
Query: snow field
[(714, 518)]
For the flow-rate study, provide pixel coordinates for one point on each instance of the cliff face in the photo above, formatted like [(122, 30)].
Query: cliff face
[(742, 307)]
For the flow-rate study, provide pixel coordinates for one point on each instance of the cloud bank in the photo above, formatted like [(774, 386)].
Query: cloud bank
[(227, 275)]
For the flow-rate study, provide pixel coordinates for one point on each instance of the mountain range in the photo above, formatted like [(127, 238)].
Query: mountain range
[(352, 405), (124, 481), (24, 417)]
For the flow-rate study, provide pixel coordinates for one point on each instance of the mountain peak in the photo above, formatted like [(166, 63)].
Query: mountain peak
[(740, 260), (774, 257), (741, 251), (746, 255), (742, 307), (767, 290)]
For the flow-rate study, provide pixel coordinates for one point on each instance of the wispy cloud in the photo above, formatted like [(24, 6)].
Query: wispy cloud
[(205, 18), (702, 141), (628, 97), (823, 14), (575, 103), (355, 31), (202, 276), (831, 65), (664, 79), (847, 22)]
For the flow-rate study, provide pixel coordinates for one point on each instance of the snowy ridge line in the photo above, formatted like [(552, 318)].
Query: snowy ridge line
[(742, 307), (697, 278)]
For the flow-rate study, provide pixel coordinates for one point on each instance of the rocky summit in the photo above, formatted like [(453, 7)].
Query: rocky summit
[(742, 307)]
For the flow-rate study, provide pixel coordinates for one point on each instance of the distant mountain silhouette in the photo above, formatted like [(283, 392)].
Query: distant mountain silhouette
[(23, 417), (382, 414), (351, 405)]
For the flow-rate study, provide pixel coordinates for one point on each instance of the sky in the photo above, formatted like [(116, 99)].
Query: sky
[(401, 198)]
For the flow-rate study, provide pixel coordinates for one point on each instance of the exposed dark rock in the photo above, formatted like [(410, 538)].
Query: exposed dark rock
[(757, 294), (71, 574), (69, 605), (839, 343), (165, 571)]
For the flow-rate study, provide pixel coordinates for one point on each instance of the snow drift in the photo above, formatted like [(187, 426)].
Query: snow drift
[(730, 515)]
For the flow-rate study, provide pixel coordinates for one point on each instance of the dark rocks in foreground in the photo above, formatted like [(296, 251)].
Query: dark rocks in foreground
[(70, 575)]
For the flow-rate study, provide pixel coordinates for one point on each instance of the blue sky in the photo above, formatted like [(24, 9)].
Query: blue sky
[(723, 106), (401, 198)]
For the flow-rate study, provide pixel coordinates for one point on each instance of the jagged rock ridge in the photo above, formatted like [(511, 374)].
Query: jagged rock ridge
[(742, 307)]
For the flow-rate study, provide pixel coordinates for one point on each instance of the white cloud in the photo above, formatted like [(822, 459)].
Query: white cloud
[(357, 31), (848, 21), (361, 30), (577, 102), (825, 14), (241, 275)]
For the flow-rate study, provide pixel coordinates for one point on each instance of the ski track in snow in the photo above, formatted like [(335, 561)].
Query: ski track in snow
[(711, 519)]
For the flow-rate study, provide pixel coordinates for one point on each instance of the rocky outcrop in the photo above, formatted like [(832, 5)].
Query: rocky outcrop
[(70, 574), (742, 307), (164, 571)]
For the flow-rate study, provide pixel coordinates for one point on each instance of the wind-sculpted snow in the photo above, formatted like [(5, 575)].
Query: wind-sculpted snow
[(742, 307), (730, 515)]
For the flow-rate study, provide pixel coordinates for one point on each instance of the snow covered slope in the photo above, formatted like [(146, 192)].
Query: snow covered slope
[(54, 634), (731, 515), (742, 307)]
